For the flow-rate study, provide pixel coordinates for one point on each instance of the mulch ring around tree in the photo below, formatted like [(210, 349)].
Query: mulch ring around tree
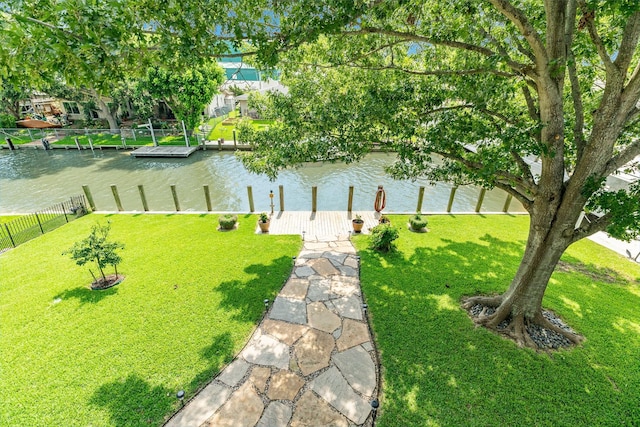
[(544, 338), (107, 282)]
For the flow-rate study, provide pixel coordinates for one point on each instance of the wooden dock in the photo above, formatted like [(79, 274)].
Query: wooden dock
[(319, 225), (163, 151)]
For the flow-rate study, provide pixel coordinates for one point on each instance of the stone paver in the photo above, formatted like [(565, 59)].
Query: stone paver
[(314, 411), (320, 317), (259, 377), (349, 306), (333, 388), (284, 385), (234, 373), (353, 333), (358, 369), (310, 362), (295, 288), (267, 351), (289, 310), (313, 351), (276, 414), (244, 408), (286, 332)]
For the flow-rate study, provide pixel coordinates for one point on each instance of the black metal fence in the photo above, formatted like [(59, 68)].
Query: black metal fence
[(30, 226)]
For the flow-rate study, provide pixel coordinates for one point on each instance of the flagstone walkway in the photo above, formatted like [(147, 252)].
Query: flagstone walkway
[(311, 361)]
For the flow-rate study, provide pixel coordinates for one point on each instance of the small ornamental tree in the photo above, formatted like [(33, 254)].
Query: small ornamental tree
[(96, 248)]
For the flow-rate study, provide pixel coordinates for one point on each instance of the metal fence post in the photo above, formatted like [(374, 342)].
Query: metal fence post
[(39, 223), (9, 234)]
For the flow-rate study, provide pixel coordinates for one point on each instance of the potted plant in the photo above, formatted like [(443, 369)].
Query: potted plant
[(357, 223), (227, 221), (418, 223), (263, 222)]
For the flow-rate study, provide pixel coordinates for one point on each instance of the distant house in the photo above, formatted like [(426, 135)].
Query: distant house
[(241, 77), (48, 106)]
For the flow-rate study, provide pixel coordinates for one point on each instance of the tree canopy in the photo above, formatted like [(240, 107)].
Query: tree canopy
[(186, 92), (538, 98)]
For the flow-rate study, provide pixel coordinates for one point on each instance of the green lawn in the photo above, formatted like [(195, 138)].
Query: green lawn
[(192, 295), (110, 139), (438, 370), (224, 129)]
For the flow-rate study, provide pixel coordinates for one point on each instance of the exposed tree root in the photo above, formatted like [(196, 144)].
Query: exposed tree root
[(538, 333)]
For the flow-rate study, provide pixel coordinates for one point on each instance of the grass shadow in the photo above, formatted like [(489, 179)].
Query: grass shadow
[(246, 298), (218, 354), (86, 295), (433, 355), (134, 402)]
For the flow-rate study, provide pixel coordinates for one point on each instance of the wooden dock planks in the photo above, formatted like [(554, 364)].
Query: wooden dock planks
[(319, 224), (163, 151)]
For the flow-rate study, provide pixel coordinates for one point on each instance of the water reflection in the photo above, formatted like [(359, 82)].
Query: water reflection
[(33, 179)]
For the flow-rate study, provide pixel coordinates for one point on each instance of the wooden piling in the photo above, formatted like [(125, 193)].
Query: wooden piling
[(480, 199), (420, 199), (507, 202), (350, 201), (207, 197), (116, 196), (281, 194), (250, 194), (143, 198), (451, 198), (175, 197), (314, 199), (87, 193)]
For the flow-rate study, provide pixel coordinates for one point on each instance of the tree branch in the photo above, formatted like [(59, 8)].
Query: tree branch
[(44, 24), (518, 18), (531, 105), (418, 38), (596, 224), (629, 43), (576, 95), (625, 156), (587, 20)]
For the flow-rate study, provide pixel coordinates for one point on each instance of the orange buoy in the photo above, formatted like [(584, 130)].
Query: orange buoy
[(381, 199)]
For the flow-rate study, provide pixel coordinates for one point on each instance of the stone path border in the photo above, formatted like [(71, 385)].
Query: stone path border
[(310, 362)]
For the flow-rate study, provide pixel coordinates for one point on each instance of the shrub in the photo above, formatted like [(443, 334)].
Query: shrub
[(227, 221), (417, 222), (382, 237), (7, 121)]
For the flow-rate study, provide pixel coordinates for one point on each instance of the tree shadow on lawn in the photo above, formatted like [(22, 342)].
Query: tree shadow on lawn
[(134, 402), (247, 298), (86, 295), (219, 354), (438, 368)]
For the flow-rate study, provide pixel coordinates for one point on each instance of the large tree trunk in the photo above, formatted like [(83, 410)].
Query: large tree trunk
[(521, 305)]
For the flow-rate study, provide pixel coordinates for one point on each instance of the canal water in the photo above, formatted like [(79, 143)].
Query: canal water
[(34, 179)]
